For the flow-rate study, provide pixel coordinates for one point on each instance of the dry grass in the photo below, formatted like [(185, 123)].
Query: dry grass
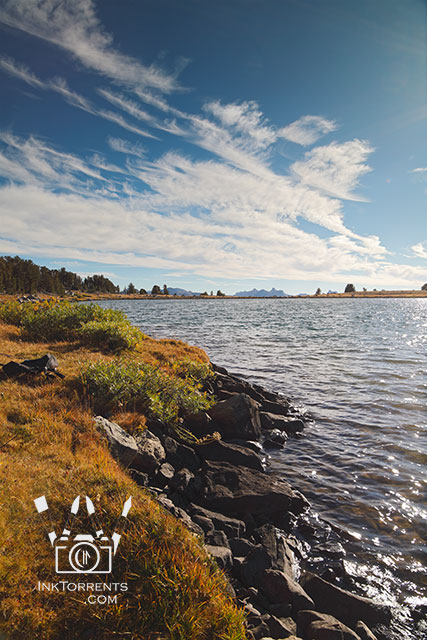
[(175, 590)]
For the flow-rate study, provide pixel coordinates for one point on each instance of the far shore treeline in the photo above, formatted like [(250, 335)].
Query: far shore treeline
[(23, 276), (19, 276)]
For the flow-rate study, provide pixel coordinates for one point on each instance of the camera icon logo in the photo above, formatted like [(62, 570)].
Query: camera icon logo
[(85, 553)]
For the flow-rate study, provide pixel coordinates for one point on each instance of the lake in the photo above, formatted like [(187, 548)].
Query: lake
[(358, 367)]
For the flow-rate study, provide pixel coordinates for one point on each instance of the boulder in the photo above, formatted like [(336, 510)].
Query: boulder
[(205, 523), (232, 527), (271, 421), (281, 627), (346, 606), (144, 453), (221, 554), (240, 546), (150, 450), (180, 514), (364, 631), (248, 444), (280, 610), (243, 491), (280, 408), (253, 566), (220, 451), (279, 588), (237, 417), (281, 555), (180, 455), (217, 539), (316, 626), (199, 423), (181, 480), (164, 474)]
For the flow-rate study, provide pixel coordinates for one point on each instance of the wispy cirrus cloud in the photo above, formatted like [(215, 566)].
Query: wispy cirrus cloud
[(124, 146), (307, 130), (75, 27), (420, 250), (20, 71)]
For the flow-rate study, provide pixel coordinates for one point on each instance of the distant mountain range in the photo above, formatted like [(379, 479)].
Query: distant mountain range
[(262, 293), (181, 292)]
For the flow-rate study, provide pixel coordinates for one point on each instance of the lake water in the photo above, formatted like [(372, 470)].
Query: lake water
[(358, 367)]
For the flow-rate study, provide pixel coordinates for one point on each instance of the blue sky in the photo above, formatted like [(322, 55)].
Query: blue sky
[(229, 144)]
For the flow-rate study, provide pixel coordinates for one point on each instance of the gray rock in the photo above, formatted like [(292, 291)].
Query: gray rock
[(346, 606), (199, 423), (271, 421), (244, 491), (279, 588), (205, 523), (281, 555), (275, 407), (140, 478), (254, 565), (221, 554), (180, 514), (232, 527), (237, 417), (181, 480), (220, 451), (217, 539), (143, 454), (281, 627), (248, 444), (180, 455), (260, 631), (364, 632), (164, 474), (280, 610), (240, 546), (328, 630), (306, 618)]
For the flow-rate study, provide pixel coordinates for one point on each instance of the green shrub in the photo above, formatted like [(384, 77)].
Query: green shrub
[(141, 387), (12, 312), (109, 334), (193, 370)]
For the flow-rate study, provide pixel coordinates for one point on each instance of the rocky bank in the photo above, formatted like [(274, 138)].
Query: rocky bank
[(257, 527)]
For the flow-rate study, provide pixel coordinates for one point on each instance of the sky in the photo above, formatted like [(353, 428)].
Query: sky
[(230, 144)]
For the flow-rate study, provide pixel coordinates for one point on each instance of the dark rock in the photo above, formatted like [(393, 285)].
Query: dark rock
[(281, 555), (346, 606), (278, 408), (279, 588), (254, 565), (332, 549), (181, 480), (240, 546), (180, 455), (280, 610), (225, 395), (220, 451), (205, 523), (281, 628), (180, 514), (139, 477), (221, 554), (272, 421), (248, 444), (144, 453), (232, 527), (311, 624), (364, 631), (199, 423), (260, 631), (150, 449), (164, 474), (219, 369), (237, 417), (240, 490), (217, 539)]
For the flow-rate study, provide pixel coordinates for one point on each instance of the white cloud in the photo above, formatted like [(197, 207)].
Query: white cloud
[(419, 170), (244, 118), (420, 250), (20, 71), (75, 27), (307, 130), (124, 146), (335, 168)]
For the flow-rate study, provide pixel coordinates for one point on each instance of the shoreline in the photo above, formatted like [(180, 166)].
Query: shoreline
[(252, 522)]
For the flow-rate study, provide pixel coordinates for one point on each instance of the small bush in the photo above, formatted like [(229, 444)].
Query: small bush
[(12, 312), (141, 387), (111, 335), (193, 370)]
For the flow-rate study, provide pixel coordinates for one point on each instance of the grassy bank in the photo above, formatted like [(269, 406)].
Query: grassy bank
[(49, 445)]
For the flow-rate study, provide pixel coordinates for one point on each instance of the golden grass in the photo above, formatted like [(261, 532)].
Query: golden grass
[(53, 448)]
